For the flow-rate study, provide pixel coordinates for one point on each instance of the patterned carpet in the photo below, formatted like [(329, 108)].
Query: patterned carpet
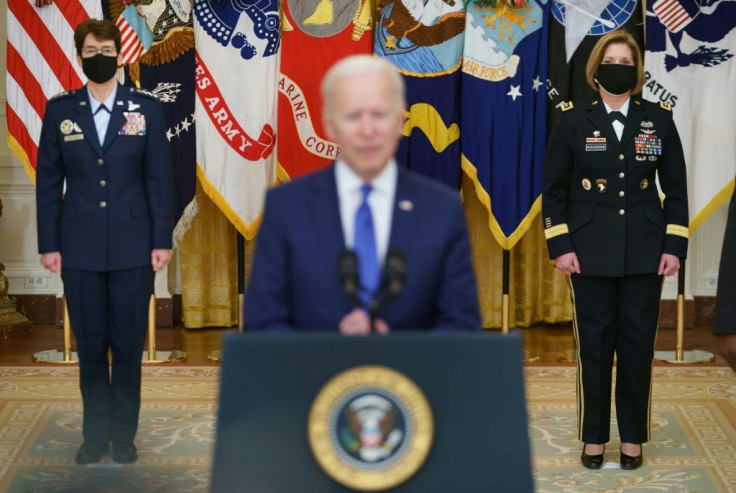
[(693, 447)]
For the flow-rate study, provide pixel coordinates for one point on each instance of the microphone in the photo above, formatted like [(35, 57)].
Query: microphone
[(347, 271), (394, 275)]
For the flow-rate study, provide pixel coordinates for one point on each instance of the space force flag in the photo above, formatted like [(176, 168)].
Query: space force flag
[(503, 112), (691, 68), (237, 47), (316, 33)]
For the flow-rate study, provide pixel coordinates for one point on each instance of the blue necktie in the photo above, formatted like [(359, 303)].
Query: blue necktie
[(365, 249)]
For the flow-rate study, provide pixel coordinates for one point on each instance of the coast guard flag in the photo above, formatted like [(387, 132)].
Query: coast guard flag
[(429, 56), (236, 79), (575, 26), (690, 66), (504, 112), (42, 62), (316, 33)]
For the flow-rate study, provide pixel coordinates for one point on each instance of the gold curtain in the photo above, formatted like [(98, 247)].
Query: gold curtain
[(208, 252), (538, 293)]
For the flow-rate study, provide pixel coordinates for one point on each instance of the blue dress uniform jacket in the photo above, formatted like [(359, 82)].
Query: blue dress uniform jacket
[(294, 283), (118, 202), (600, 198)]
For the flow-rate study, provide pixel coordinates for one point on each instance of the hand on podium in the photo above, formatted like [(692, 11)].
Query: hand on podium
[(358, 323)]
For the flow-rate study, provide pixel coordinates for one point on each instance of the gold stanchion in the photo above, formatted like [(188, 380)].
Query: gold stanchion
[(151, 355), (679, 355), (505, 314), (66, 355)]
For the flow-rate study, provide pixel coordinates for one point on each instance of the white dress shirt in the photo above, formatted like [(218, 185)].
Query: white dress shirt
[(102, 117), (380, 200), (618, 127)]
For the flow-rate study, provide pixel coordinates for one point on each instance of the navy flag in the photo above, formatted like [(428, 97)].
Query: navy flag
[(504, 112), (423, 40)]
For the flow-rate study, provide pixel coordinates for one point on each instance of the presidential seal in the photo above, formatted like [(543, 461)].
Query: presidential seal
[(370, 428)]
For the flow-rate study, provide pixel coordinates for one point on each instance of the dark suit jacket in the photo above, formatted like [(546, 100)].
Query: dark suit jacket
[(725, 313), (118, 203), (600, 198), (294, 281)]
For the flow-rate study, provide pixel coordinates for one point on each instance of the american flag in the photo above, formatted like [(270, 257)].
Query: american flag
[(675, 14), (132, 47), (41, 63)]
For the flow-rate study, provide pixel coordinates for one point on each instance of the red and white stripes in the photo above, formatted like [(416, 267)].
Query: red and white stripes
[(132, 48), (673, 13), (41, 63)]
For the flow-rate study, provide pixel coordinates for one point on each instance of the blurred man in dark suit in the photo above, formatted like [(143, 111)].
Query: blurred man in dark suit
[(367, 204), (725, 316), (107, 232)]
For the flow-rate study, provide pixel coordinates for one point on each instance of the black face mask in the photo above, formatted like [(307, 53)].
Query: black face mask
[(615, 78), (100, 68)]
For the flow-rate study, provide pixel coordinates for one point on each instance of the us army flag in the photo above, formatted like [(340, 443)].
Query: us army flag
[(504, 112), (429, 57), (316, 33), (237, 48), (690, 66)]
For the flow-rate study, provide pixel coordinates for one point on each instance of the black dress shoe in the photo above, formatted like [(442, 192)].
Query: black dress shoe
[(89, 453), (124, 452), (629, 463), (591, 461)]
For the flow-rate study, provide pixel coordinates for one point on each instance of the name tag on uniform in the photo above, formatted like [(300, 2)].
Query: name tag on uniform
[(135, 124), (69, 138), (595, 144)]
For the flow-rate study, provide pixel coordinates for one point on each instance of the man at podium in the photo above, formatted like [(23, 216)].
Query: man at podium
[(364, 245)]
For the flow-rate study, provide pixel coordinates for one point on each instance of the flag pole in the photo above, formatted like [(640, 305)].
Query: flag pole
[(679, 355)]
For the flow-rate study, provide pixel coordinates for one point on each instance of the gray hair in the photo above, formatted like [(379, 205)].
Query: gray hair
[(360, 65)]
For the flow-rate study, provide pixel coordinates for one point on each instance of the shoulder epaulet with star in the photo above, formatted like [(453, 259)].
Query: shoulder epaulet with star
[(565, 106), (143, 92), (62, 95)]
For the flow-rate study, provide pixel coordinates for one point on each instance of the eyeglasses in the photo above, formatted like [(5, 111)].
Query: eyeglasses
[(88, 51)]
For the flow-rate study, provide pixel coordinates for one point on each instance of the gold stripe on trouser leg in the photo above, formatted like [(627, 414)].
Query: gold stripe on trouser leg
[(651, 373), (579, 391)]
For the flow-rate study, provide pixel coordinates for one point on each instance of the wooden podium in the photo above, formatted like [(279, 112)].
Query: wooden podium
[(409, 412)]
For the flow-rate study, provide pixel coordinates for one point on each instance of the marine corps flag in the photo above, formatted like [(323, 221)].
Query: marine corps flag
[(503, 111), (691, 68), (316, 33), (236, 79), (424, 41), (575, 26)]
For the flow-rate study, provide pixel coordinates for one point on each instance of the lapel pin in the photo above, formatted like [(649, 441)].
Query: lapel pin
[(406, 205), (600, 184), (586, 184), (132, 106)]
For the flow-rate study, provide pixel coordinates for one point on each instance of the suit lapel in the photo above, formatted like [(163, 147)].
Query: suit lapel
[(85, 120), (404, 214), (117, 119), (326, 216)]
